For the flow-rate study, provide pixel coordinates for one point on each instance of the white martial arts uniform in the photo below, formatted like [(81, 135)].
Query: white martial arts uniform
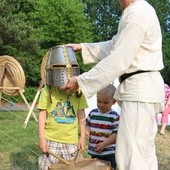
[(137, 46)]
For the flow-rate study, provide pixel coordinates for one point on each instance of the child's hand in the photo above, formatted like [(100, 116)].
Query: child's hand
[(100, 147), (82, 143), (87, 134), (43, 145)]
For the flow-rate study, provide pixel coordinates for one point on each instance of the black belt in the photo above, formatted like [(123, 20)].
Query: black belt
[(125, 76)]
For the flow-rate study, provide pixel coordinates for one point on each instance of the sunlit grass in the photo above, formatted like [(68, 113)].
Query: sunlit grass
[(17, 145), (19, 152)]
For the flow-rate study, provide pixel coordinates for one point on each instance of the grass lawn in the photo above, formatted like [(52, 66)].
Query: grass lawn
[(17, 145), (19, 152)]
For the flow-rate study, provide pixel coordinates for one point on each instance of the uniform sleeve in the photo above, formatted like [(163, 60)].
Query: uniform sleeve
[(94, 52), (115, 63)]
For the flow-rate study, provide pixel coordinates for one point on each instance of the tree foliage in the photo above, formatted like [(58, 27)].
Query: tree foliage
[(104, 16), (162, 8), (28, 28), (17, 38), (60, 22)]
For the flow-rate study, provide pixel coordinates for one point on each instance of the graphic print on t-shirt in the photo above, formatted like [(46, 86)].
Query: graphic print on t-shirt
[(64, 112)]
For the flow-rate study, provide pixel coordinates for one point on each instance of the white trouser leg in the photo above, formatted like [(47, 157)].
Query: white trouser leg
[(135, 148)]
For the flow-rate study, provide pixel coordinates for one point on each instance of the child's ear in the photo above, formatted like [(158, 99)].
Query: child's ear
[(114, 101)]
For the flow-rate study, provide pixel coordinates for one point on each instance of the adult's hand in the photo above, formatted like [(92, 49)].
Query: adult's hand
[(71, 85), (76, 47)]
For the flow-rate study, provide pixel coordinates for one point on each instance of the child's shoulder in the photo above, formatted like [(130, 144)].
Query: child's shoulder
[(115, 113), (94, 111)]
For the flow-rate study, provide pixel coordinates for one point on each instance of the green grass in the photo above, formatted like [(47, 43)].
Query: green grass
[(17, 145), (19, 152)]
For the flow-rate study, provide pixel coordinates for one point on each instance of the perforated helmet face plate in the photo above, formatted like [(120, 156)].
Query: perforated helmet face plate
[(61, 65)]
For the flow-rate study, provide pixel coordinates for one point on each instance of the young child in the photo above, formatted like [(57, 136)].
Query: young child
[(59, 117), (164, 119), (102, 125)]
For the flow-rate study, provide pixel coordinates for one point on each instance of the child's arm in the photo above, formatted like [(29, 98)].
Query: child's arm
[(87, 131), (82, 126), (112, 139), (41, 127)]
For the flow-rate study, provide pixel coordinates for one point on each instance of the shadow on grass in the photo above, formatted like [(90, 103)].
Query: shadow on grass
[(25, 159)]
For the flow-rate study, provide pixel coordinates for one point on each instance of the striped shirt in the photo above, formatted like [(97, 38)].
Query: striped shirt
[(102, 125)]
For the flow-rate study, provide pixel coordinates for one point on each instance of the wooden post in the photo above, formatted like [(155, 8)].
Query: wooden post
[(33, 104), (25, 100)]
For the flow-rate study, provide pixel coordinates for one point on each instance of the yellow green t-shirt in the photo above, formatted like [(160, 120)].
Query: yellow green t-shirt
[(61, 122)]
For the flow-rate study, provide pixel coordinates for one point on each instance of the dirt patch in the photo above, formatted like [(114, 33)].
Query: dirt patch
[(163, 150), (5, 161)]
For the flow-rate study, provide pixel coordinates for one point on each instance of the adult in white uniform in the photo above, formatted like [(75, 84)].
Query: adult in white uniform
[(136, 46)]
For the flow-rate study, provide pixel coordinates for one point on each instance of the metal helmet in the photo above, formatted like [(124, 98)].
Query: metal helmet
[(61, 65)]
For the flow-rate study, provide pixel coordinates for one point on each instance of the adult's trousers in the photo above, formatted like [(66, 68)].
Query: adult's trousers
[(135, 146)]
